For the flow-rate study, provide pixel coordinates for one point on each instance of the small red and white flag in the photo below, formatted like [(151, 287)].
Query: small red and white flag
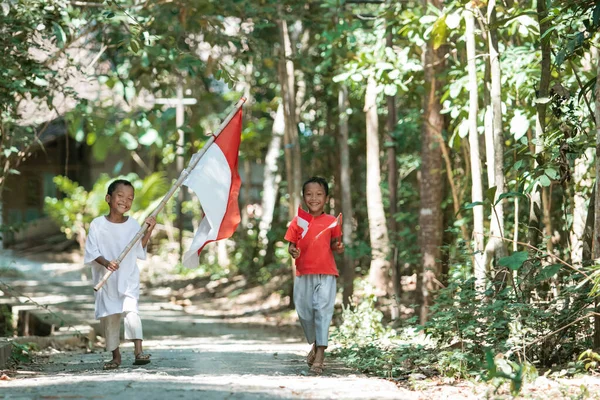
[(303, 221), (338, 221), (216, 182)]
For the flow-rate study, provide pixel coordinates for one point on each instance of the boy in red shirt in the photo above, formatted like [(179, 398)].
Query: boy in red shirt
[(313, 237)]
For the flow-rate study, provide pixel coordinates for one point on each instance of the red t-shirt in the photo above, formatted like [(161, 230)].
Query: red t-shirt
[(316, 256)]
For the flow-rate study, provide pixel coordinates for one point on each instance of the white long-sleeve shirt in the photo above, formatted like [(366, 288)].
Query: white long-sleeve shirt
[(122, 290)]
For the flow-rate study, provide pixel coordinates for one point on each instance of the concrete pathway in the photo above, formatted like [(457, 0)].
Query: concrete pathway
[(193, 356)]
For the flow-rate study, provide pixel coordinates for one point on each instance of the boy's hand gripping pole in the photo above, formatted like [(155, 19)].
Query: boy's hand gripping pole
[(193, 162)]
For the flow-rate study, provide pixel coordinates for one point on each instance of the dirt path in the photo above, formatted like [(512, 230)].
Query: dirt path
[(210, 350), (194, 356)]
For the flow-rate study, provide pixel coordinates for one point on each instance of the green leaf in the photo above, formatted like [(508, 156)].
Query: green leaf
[(134, 46), (100, 148), (544, 181), (357, 77), (551, 173), (514, 261), (519, 125), (490, 194), (548, 272), (7, 152), (588, 86), (148, 138), (128, 140), (453, 20), (473, 205), (61, 37), (91, 138), (390, 90), (509, 194), (40, 82), (439, 33), (560, 57)]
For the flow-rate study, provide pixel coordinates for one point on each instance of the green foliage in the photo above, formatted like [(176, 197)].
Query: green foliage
[(499, 370), (514, 261), (365, 343), (23, 353), (362, 324), (590, 359), (7, 318)]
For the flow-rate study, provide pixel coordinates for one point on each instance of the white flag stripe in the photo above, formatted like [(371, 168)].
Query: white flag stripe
[(211, 181), (333, 225), (302, 223)]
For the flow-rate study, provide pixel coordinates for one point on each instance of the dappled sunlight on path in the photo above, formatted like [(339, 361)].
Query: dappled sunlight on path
[(195, 355)]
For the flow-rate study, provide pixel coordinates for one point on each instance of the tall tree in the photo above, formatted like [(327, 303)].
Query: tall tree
[(535, 210), (476, 178), (392, 173), (288, 91), (378, 234), (430, 183), (596, 236), (346, 195), (271, 176), (495, 246)]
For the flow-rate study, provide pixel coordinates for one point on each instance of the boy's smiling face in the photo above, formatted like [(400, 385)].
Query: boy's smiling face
[(121, 199), (315, 198)]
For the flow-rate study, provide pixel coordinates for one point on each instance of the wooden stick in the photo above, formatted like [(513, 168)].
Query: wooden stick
[(184, 174)]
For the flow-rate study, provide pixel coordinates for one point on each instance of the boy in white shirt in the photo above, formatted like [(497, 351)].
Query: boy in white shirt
[(118, 298)]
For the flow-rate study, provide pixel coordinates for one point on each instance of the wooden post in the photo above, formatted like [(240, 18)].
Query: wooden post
[(184, 174)]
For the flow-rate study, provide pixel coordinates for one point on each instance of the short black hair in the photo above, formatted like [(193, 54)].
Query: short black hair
[(113, 185), (320, 181)]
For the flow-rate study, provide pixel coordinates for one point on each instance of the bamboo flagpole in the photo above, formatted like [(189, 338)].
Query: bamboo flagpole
[(182, 177)]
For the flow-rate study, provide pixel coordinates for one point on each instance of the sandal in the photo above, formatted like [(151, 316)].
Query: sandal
[(142, 359), (317, 368), (310, 358), (110, 365)]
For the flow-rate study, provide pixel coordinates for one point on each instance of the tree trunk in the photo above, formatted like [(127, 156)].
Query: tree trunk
[(392, 167), (346, 196), (289, 107), (287, 149), (547, 213), (378, 235), (271, 177), (581, 181), (495, 246), (596, 236), (535, 210), (475, 160), (222, 254), (246, 190), (431, 184), (2, 231)]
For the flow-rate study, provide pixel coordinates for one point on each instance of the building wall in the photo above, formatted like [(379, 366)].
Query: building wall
[(24, 194)]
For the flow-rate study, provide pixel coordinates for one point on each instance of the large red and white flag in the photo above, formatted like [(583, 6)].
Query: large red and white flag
[(216, 182)]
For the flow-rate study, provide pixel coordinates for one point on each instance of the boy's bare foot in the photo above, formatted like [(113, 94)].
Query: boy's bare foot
[(310, 359), (318, 363)]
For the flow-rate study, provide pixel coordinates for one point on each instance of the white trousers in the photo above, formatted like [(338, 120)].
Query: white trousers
[(112, 328), (314, 298)]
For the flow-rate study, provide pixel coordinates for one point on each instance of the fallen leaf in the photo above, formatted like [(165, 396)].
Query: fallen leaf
[(5, 378)]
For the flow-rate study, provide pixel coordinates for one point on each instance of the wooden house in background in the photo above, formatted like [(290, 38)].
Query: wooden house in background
[(23, 195)]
